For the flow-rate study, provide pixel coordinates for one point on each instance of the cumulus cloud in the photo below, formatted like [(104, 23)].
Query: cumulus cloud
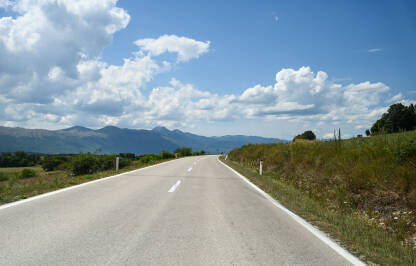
[(52, 76), (46, 41), (186, 48), (51, 71), (301, 96), (5, 3)]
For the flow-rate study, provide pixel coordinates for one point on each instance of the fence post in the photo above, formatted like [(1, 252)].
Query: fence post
[(261, 167), (117, 163)]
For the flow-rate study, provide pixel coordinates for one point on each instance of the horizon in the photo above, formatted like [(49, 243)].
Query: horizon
[(171, 130), (273, 69)]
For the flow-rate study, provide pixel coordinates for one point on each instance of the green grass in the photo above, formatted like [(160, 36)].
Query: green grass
[(14, 188), (363, 181), (355, 231), (36, 168)]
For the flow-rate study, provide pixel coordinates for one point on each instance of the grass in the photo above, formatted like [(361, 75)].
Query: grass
[(36, 168), (13, 188), (361, 191)]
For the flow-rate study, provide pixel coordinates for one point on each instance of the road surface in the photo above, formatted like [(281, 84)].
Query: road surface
[(191, 211)]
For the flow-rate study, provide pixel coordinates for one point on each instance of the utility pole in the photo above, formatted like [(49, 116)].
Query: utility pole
[(339, 134)]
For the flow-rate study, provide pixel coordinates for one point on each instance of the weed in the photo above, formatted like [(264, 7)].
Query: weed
[(27, 173)]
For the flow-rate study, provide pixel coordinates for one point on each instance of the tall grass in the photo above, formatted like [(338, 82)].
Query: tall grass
[(371, 177)]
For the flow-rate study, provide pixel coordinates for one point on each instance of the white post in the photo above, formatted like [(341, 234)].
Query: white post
[(117, 162), (261, 167), (226, 156)]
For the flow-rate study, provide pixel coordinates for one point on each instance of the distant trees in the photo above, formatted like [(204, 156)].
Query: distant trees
[(184, 151), (398, 118), (51, 162), (18, 159), (196, 153), (308, 135)]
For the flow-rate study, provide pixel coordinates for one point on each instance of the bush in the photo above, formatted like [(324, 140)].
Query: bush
[(107, 162), (148, 158), (84, 164), (166, 155), (27, 173), (184, 151), (51, 163)]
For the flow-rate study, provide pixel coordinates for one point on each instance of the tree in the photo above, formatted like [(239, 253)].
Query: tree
[(308, 135), (398, 118), (184, 151), (367, 132)]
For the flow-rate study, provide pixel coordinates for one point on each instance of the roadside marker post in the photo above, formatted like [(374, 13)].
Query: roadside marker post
[(117, 163), (261, 167)]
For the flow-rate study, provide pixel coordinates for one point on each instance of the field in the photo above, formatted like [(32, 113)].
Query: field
[(361, 191), (14, 187)]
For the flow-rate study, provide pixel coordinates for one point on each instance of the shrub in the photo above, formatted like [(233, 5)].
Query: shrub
[(184, 151), (147, 158), (166, 155), (123, 162), (84, 164), (107, 162), (27, 173), (51, 163)]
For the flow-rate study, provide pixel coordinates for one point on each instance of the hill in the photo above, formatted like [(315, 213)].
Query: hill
[(112, 139)]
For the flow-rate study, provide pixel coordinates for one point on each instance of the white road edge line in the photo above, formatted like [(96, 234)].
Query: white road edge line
[(190, 169), (11, 204), (322, 236), (174, 187)]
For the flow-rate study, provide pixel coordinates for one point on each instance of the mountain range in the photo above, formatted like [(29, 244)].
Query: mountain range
[(112, 139)]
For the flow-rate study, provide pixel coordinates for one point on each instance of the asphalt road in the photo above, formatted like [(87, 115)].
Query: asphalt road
[(148, 217)]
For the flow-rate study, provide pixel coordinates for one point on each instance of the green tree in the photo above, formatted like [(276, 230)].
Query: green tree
[(184, 151), (308, 135), (398, 118)]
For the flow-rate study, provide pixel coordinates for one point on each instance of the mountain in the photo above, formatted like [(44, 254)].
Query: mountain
[(112, 139)]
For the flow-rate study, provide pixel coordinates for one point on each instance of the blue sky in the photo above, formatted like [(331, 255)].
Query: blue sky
[(269, 68)]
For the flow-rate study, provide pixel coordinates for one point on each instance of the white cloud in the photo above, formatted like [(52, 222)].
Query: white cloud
[(47, 37), (395, 98), (52, 76), (5, 3), (186, 48), (375, 50)]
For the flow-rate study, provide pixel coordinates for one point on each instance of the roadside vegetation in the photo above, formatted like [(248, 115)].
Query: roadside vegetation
[(51, 172), (361, 191)]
